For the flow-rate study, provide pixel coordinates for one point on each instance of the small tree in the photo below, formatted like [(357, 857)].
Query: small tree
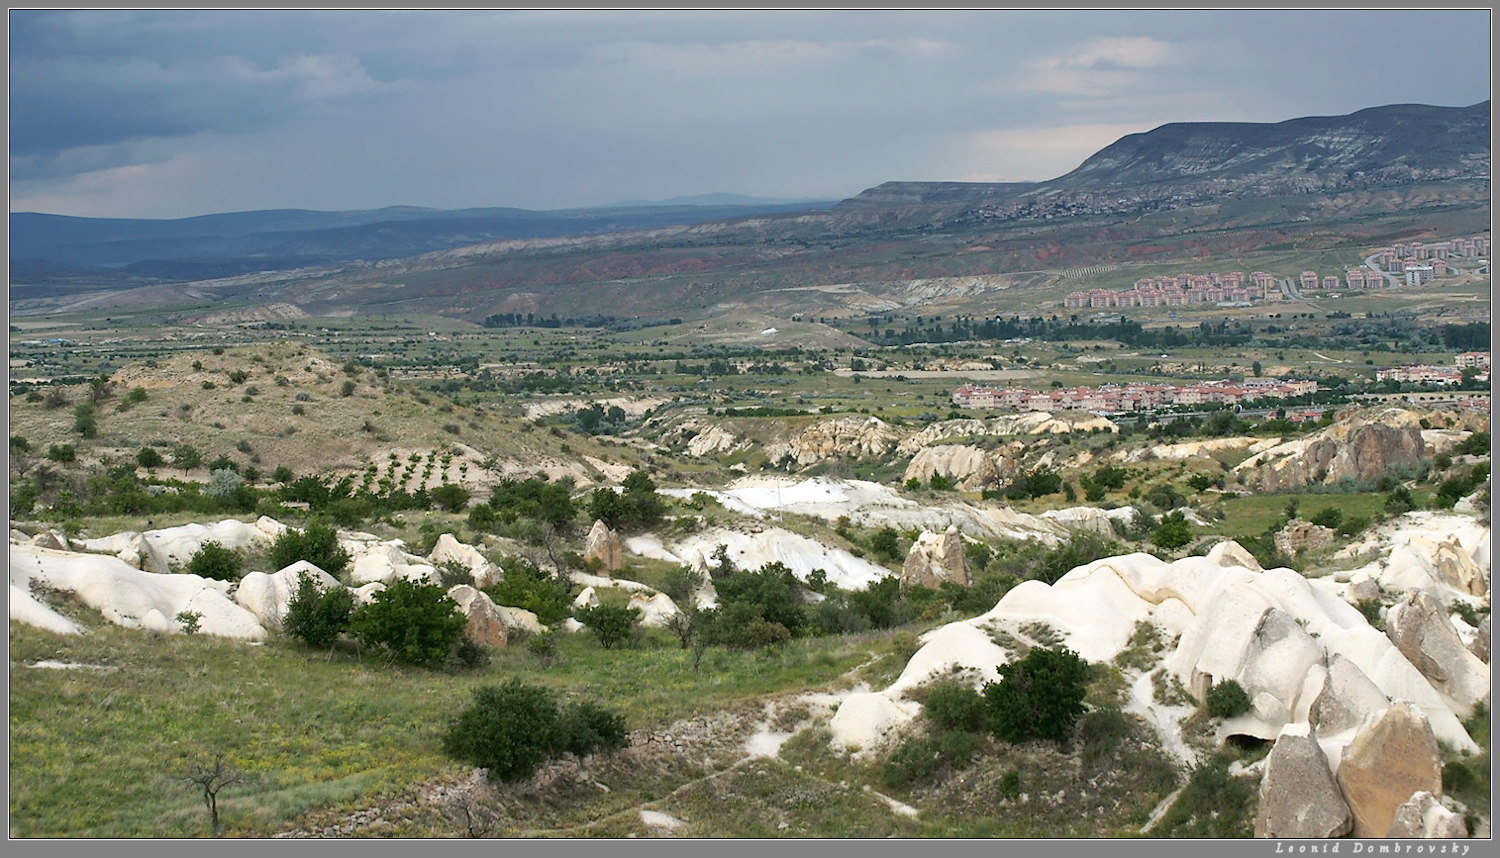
[(1172, 533), (508, 730), (611, 624), (186, 457), (1039, 696), (318, 545), (213, 779), (415, 623), (213, 560), (451, 497), (317, 617), (84, 421), (149, 458)]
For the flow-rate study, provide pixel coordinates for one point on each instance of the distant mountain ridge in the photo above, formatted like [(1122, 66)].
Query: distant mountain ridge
[(219, 245)]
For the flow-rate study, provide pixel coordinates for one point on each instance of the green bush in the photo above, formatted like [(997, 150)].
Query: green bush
[(1214, 804), (62, 453), (1039, 696), (954, 706), (1173, 532), (512, 728), (527, 587), (317, 617), (768, 594), (318, 545), (922, 759), (147, 457), (1227, 699), (414, 623), (589, 728), (508, 729), (213, 560), (612, 624)]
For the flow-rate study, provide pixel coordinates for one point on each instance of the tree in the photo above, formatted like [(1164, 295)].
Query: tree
[(147, 457), (317, 617), (213, 560), (186, 457), (84, 421), (510, 729), (1172, 533), (767, 594), (451, 497), (415, 623), (611, 624), (1038, 697), (886, 542), (318, 545), (212, 780)]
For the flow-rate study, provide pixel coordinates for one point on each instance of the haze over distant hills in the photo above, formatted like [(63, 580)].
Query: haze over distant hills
[(1249, 184)]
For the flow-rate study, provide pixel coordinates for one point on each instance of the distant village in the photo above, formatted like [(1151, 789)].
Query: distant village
[(1410, 264)]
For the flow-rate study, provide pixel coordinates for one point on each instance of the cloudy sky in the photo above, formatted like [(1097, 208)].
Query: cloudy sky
[(179, 113)]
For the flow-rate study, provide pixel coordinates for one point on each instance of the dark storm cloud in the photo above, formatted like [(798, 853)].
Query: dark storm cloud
[(185, 112)]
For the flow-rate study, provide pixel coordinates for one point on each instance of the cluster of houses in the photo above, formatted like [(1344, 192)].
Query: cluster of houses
[(1413, 263), (1234, 287), (1424, 374), (1123, 398)]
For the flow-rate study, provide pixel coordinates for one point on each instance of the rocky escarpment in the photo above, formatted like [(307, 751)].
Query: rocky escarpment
[(1366, 445)]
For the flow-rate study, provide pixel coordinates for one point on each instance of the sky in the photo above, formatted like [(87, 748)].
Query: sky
[(175, 113)]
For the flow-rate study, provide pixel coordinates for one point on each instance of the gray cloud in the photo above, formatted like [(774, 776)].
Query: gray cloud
[(172, 113)]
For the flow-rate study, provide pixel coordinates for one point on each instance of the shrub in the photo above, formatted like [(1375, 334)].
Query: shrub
[(318, 545), (611, 624), (923, 758), (62, 453), (953, 706), (589, 728), (512, 728), (680, 583), (415, 623), (84, 421), (186, 457), (525, 586), (317, 617), (213, 560), (1173, 532), (1214, 804), (886, 542), (1039, 696), (147, 457), (451, 497), (1227, 699)]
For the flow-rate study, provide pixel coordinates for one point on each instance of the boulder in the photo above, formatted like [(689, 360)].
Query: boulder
[(520, 619), (448, 549), (656, 611), (53, 540), (1393, 756), (1347, 699), (1364, 590), (131, 547), (386, 562), (268, 595), (487, 623), (1423, 816), (1298, 795), (587, 598), (1230, 553), (603, 547), (1419, 627), (1481, 645), (935, 558)]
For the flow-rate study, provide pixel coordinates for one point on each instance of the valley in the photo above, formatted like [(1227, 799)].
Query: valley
[(758, 508)]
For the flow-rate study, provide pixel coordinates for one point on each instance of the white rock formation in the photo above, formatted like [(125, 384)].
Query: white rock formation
[(586, 598), (128, 596), (387, 562), (656, 611), (267, 595), (448, 549)]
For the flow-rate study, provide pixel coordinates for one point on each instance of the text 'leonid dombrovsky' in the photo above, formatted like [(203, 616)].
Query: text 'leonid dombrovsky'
[(1358, 847)]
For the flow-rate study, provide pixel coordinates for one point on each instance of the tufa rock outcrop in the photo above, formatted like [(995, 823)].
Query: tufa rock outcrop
[(1298, 795), (603, 547), (1424, 816), (972, 468), (1301, 535), (1394, 756), (1364, 445), (488, 624), (1419, 627), (935, 558), (843, 438)]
